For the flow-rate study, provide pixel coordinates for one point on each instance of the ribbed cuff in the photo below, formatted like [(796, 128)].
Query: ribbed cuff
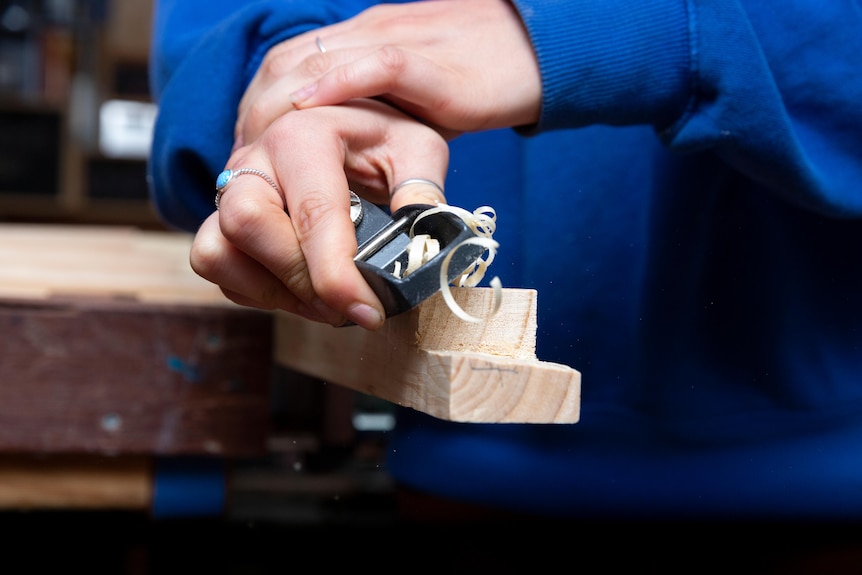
[(610, 61)]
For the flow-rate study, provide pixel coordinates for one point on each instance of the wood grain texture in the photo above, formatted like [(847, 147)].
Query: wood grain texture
[(431, 361), (110, 325), (124, 377), (115, 483), (112, 344), (45, 260)]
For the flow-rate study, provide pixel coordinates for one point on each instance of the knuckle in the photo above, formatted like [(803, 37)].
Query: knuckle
[(204, 258), (239, 222), (310, 123), (315, 65), (293, 274), (313, 213), (276, 63), (345, 76), (392, 59), (432, 143)]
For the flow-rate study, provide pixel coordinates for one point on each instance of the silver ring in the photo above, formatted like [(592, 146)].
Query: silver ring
[(320, 45), (415, 181), (227, 176)]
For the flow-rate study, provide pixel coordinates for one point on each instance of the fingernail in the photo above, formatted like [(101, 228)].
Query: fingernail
[(302, 94), (365, 316)]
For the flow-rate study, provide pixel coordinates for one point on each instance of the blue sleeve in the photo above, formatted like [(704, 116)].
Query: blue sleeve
[(203, 55), (772, 88)]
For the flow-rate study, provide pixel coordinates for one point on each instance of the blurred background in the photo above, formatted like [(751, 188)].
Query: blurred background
[(76, 120), (75, 111)]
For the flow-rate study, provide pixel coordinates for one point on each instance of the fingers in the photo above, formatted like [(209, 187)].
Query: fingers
[(260, 104), (438, 87), (458, 66), (286, 68), (282, 236), (250, 247), (318, 199), (380, 146), (397, 73), (242, 279), (409, 159)]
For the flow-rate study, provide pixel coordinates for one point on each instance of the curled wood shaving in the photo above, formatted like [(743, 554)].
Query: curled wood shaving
[(483, 222)]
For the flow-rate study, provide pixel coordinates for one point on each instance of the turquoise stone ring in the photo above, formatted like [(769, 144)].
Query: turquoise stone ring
[(223, 178), (227, 176)]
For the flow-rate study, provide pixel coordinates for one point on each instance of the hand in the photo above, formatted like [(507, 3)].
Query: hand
[(303, 262), (461, 65)]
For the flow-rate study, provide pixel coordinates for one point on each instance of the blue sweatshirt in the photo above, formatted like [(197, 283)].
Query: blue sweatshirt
[(689, 208)]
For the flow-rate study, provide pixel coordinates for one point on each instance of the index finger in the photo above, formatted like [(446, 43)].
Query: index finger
[(318, 202)]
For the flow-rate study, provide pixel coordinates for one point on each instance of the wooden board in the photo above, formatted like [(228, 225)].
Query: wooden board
[(113, 345), (123, 377), (432, 361), (64, 482), (104, 262), (132, 290)]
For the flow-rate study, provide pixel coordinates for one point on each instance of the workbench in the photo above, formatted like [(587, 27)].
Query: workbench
[(123, 372), (127, 381)]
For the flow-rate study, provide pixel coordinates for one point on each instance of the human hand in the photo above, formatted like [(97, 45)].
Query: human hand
[(303, 262), (459, 65)]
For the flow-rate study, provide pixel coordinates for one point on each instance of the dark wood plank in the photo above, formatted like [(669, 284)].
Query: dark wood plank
[(90, 375)]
